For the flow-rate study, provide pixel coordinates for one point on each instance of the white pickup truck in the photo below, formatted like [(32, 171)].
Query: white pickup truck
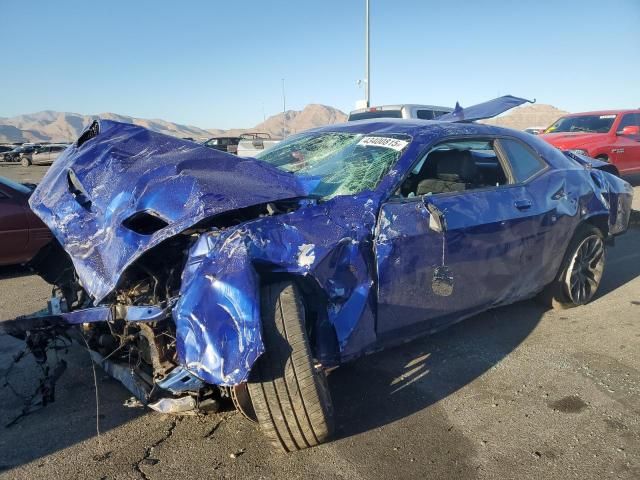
[(254, 142), (406, 110)]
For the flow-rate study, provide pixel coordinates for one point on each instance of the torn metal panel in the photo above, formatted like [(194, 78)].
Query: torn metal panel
[(218, 317), (175, 406), (489, 109), (180, 380)]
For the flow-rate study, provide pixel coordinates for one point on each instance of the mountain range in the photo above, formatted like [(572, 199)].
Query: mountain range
[(534, 115), (50, 126)]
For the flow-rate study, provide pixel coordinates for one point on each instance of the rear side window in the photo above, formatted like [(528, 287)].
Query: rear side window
[(630, 120), (429, 114), (524, 163), (426, 114), (375, 114)]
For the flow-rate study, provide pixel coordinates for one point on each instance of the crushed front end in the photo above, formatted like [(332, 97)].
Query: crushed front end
[(160, 249)]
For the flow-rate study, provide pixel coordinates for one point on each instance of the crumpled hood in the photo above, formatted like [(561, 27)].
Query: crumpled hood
[(92, 192), (572, 139)]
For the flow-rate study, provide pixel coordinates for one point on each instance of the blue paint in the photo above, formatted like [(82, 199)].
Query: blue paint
[(368, 259)]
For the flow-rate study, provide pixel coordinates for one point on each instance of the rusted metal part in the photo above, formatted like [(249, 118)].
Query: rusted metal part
[(242, 401), (154, 351)]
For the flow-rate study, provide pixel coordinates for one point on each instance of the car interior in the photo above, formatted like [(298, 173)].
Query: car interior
[(455, 167)]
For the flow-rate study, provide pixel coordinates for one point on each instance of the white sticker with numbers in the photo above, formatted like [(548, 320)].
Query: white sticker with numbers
[(384, 142)]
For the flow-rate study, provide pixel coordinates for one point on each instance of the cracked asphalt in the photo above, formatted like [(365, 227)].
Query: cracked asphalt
[(517, 392)]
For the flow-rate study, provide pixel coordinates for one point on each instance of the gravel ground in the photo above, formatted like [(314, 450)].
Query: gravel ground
[(517, 392)]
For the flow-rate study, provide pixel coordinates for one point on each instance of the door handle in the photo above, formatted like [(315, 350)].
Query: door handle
[(523, 204)]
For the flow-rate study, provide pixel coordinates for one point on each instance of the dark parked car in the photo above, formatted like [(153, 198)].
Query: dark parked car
[(15, 154), (224, 144), (204, 276), (5, 149), (22, 233)]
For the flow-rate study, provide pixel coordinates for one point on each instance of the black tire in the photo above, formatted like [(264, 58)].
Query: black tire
[(290, 396), (583, 264), (25, 162)]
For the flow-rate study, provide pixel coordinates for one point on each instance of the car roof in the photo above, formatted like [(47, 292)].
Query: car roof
[(414, 127), (604, 112)]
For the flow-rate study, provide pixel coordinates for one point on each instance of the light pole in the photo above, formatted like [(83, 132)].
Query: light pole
[(367, 81), (284, 112)]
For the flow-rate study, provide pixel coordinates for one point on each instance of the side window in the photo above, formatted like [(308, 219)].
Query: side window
[(456, 166), (524, 163), (426, 114), (630, 120)]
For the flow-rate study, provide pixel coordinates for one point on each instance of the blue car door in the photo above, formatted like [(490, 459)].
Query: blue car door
[(442, 257)]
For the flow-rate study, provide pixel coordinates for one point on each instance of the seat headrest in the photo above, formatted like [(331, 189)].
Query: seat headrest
[(456, 163)]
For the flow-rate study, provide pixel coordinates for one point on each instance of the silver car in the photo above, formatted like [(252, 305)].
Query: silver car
[(42, 155)]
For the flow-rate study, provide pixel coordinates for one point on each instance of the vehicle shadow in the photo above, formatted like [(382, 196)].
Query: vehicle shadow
[(385, 387), (382, 388), (634, 180), (622, 262), (14, 271)]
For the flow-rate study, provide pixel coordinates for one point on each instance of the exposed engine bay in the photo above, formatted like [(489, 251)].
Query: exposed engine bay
[(137, 342)]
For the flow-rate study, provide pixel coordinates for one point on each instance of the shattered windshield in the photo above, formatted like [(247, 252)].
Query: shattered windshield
[(583, 123), (337, 163)]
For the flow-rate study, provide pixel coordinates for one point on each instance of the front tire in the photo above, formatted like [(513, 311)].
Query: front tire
[(25, 162), (289, 394), (581, 270)]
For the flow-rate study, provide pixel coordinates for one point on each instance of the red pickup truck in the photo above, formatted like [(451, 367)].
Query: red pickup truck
[(611, 135)]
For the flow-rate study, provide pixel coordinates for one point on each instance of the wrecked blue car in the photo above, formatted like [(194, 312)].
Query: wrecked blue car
[(194, 275)]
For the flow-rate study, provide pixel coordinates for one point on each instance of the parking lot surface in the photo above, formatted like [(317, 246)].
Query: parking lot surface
[(517, 392)]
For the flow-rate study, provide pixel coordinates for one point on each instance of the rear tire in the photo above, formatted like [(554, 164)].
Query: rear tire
[(290, 395), (581, 270)]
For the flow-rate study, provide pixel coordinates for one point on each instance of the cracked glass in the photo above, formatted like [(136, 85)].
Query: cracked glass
[(337, 163)]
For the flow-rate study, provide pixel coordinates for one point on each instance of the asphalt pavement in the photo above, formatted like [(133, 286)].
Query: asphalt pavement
[(517, 392)]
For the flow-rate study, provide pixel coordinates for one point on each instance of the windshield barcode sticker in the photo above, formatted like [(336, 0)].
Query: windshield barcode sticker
[(384, 142)]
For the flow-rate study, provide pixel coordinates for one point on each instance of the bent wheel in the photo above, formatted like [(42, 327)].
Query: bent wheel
[(290, 396)]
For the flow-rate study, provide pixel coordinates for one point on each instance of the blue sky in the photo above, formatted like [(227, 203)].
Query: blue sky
[(220, 64)]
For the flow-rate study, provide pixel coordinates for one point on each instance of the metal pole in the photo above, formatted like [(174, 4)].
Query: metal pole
[(367, 57), (284, 112)]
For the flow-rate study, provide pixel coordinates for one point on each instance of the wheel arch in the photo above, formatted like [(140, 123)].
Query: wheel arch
[(600, 221), (322, 334)]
